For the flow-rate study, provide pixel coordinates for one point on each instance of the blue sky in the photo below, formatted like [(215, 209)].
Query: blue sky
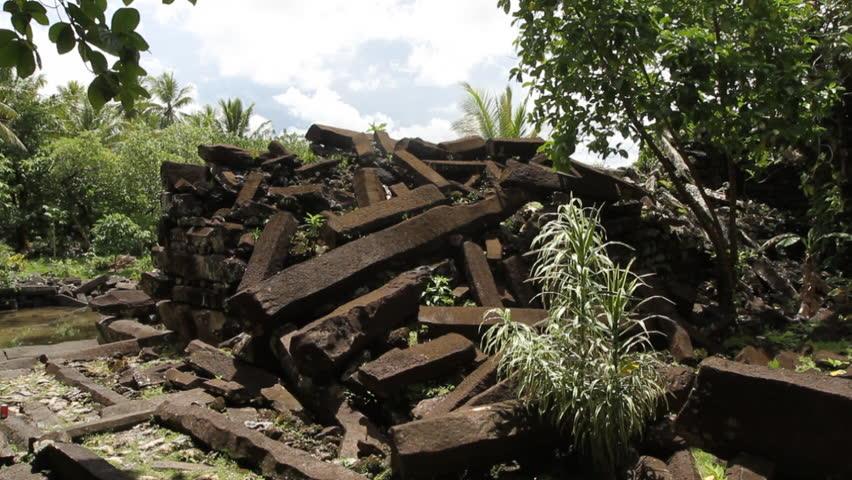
[(340, 62)]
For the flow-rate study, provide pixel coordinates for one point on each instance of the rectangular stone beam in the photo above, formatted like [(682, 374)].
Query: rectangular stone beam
[(472, 321), (421, 173), (479, 276), (270, 250), (368, 188)]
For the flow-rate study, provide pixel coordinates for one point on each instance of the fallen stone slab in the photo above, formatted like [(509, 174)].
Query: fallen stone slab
[(324, 346), (42, 416), (399, 189), (156, 284), (21, 471), (196, 396), (250, 188), (112, 423), (471, 146), (472, 321), (282, 401), (386, 144), (77, 462), (368, 188), (220, 365), (212, 297), (227, 156), (583, 181), (361, 438), (242, 444), (493, 249), (92, 285), (146, 335), (183, 380), (749, 467), (270, 250), (310, 196), (20, 432), (421, 148), (72, 377), (7, 453), (516, 271), (425, 361), (340, 138), (369, 219), (317, 167), (506, 148), (479, 276), (55, 350), (456, 168), (124, 303), (463, 439), (123, 348), (479, 380), (209, 268), (421, 173), (303, 287), (682, 466), (198, 176), (501, 392), (771, 413), (232, 392)]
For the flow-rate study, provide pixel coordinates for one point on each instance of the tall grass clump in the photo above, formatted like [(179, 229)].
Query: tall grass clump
[(589, 368)]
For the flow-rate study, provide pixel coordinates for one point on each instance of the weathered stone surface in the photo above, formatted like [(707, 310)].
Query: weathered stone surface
[(212, 297), (323, 347), (227, 156), (182, 380), (303, 287), (425, 361), (583, 181), (196, 175), (472, 146), (126, 303), (463, 439), (479, 276), (250, 187), (147, 335), (155, 284), (471, 321), (368, 188), (361, 437), (218, 364), (282, 401), (55, 350), (244, 445), (651, 468), (505, 148), (211, 268), (736, 407), (517, 271), (421, 148), (399, 189), (386, 144), (493, 249), (421, 173), (21, 471), (340, 138), (122, 348), (752, 355), (749, 467), (501, 392), (456, 168), (73, 377), (112, 423), (77, 462), (310, 196), (369, 219), (682, 466), (317, 167), (677, 381), (270, 251), (91, 285), (479, 380), (20, 432)]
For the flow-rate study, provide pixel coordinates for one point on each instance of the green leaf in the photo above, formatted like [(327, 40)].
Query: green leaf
[(125, 20), (66, 40), (53, 33), (100, 92), (26, 62), (20, 21), (98, 61), (6, 37), (11, 6), (9, 54), (127, 2)]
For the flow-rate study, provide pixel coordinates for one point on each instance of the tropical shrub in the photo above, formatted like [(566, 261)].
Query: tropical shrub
[(589, 368), (117, 234)]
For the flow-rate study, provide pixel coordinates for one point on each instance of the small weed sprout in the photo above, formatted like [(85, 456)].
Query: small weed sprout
[(315, 222), (438, 292), (590, 369)]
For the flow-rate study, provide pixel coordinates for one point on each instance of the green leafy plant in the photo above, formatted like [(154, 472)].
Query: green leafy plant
[(314, 222), (709, 467), (490, 115), (117, 234), (586, 369), (805, 363), (377, 127), (438, 292)]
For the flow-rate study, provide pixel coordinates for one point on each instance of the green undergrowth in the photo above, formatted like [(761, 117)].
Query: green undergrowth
[(709, 467), (85, 267)]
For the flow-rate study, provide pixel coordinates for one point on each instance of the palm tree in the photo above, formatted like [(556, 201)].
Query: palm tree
[(236, 119), (490, 115), (168, 98), (7, 136), (81, 116), (206, 117)]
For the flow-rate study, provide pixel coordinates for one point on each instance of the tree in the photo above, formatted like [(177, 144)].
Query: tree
[(81, 24), (78, 114), (492, 116), (169, 98), (236, 119), (738, 77), (7, 136)]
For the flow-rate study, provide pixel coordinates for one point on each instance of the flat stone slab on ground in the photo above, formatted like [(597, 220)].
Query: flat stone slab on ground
[(799, 421), (72, 377), (126, 303), (300, 289), (242, 444), (425, 361), (55, 350), (77, 462), (472, 321), (220, 365), (475, 383), (463, 439)]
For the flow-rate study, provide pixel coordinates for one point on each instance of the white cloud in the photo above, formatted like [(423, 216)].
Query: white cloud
[(256, 121), (306, 43), (371, 79), (327, 107), (437, 130)]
